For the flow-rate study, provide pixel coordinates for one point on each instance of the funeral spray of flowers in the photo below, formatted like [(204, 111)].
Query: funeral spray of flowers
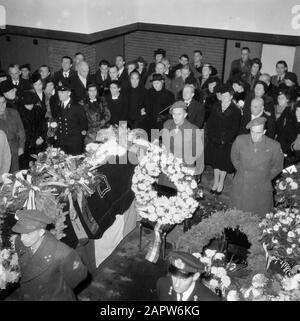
[(164, 210), (268, 288), (288, 188), (281, 234), (9, 267), (216, 270)]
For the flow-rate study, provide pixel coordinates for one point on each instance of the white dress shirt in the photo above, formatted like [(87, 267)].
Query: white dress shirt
[(187, 293), (83, 80)]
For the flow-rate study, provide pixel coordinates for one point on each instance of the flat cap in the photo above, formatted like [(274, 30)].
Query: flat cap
[(6, 86), (185, 262), (91, 85), (31, 220), (256, 122), (157, 77), (177, 104), (63, 87)]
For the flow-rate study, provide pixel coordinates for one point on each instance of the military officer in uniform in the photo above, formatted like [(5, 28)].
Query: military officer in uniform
[(50, 270), (182, 282), (72, 123), (257, 159)]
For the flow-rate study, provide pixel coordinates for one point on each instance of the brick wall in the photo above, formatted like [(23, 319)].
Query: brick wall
[(57, 49), (143, 43)]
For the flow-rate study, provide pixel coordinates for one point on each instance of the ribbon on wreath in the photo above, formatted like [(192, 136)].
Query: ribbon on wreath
[(154, 249)]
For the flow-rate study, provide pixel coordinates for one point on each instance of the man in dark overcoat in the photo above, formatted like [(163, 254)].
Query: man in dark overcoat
[(72, 123), (181, 283), (50, 270), (257, 159)]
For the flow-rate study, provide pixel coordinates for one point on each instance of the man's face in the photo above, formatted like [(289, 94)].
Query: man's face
[(66, 64), (180, 285), (157, 85), (187, 93), (114, 90), (11, 95), (257, 133), (184, 61), (141, 65), (14, 73), (226, 98), (2, 105), (64, 95), (38, 86), (256, 107), (49, 87), (282, 100), (280, 69), (158, 57), (179, 115), (160, 68), (197, 58), (92, 92), (25, 73), (206, 71), (185, 73), (113, 73), (78, 59), (120, 62), (259, 90), (130, 68), (245, 55), (29, 239), (44, 72), (254, 69), (104, 69), (83, 70), (134, 80)]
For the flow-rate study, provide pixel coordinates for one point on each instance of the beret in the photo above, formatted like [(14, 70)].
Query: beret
[(185, 262), (156, 77), (35, 77), (31, 220), (178, 104), (256, 122), (291, 76), (6, 86)]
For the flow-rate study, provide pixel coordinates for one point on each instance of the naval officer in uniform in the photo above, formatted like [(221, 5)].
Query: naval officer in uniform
[(50, 270), (257, 159), (72, 123), (181, 283)]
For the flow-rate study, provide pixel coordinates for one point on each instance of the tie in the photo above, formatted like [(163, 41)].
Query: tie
[(16, 82), (180, 296), (65, 75)]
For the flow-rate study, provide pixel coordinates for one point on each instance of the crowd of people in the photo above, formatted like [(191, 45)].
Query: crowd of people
[(249, 125)]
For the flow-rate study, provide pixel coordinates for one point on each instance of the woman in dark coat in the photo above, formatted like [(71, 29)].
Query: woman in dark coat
[(117, 103), (97, 113), (136, 101), (222, 129), (34, 126)]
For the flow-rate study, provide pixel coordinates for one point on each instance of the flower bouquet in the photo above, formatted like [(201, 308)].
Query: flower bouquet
[(281, 234), (216, 271)]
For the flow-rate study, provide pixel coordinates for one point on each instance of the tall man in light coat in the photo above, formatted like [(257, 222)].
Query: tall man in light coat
[(258, 159)]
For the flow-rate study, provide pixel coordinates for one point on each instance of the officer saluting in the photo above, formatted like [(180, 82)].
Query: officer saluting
[(72, 123), (181, 284), (50, 270)]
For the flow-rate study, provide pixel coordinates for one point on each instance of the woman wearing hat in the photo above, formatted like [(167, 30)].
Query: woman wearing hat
[(37, 85), (222, 129), (142, 69), (34, 126)]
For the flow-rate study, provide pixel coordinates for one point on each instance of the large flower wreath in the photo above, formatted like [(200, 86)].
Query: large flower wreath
[(172, 210), (200, 235)]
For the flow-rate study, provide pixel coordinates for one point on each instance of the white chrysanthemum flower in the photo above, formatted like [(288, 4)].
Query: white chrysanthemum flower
[(210, 253), (219, 256), (232, 296), (226, 281), (213, 283), (289, 251), (276, 228), (291, 234)]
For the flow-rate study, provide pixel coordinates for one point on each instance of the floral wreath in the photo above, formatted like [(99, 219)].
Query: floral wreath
[(199, 235), (163, 210)]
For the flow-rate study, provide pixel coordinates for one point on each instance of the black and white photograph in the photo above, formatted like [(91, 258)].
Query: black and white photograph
[(149, 153)]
